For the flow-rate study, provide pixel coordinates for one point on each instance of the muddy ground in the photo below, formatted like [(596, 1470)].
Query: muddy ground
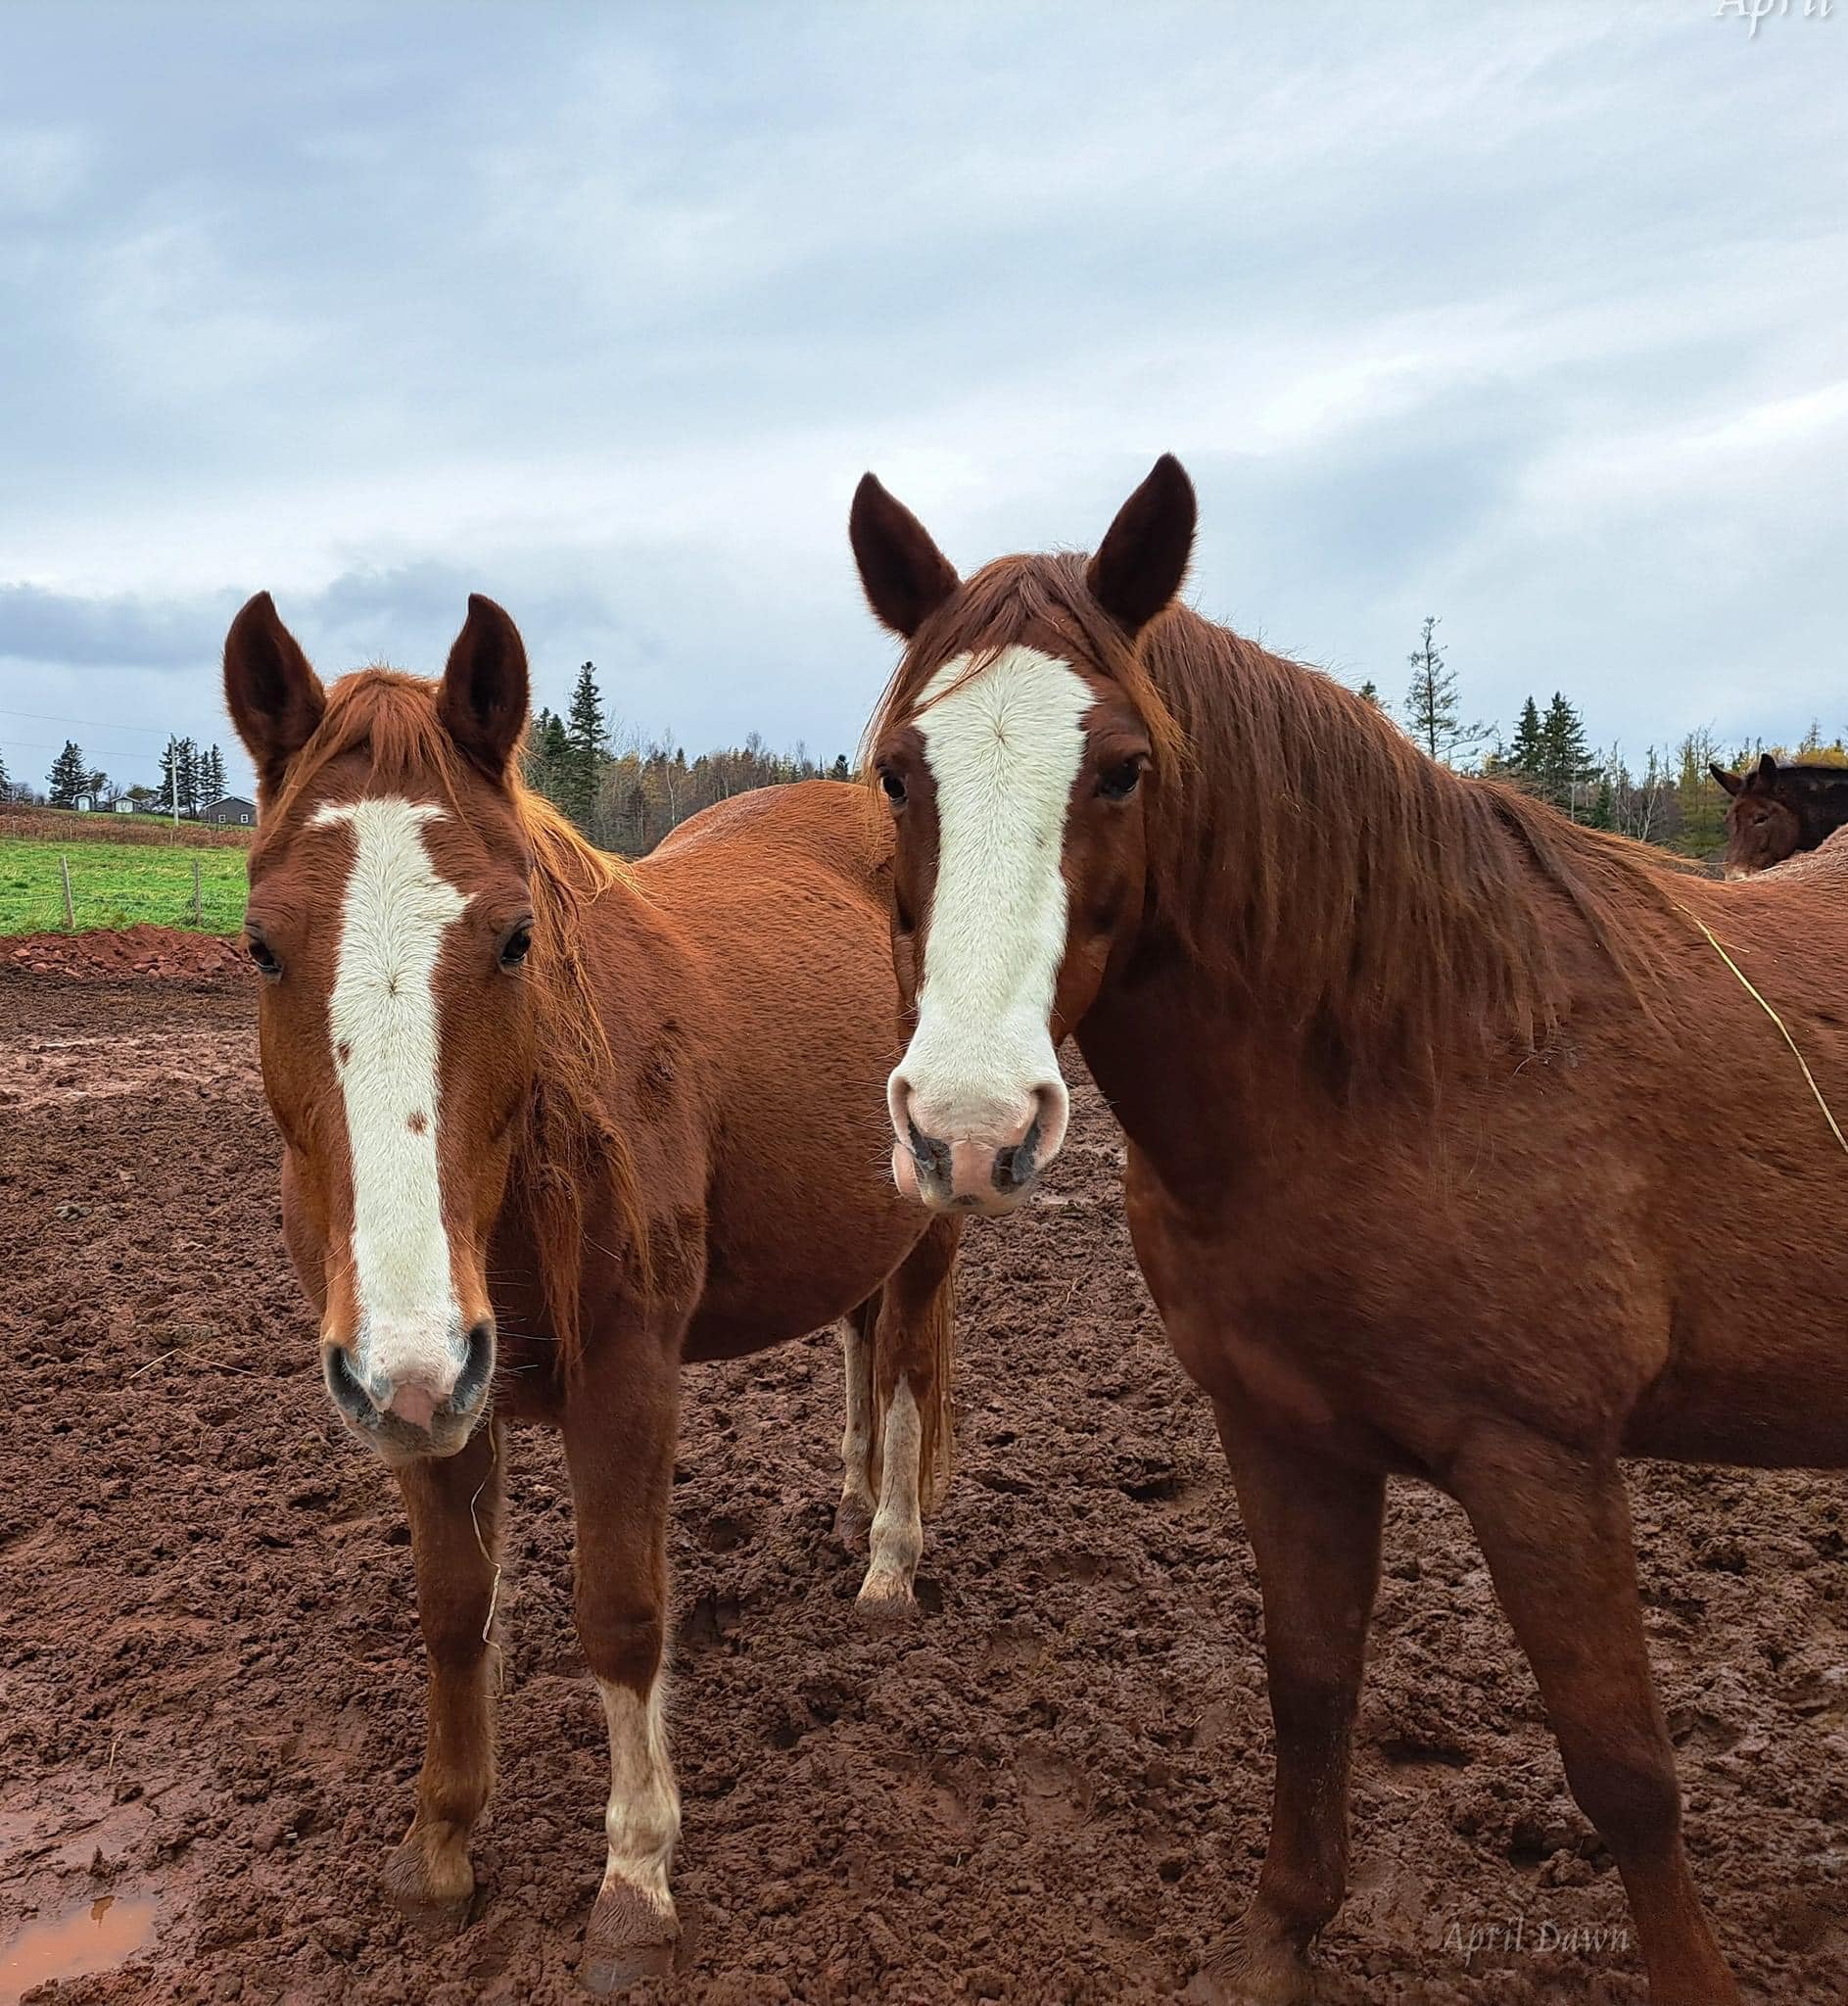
[(1052, 1787)]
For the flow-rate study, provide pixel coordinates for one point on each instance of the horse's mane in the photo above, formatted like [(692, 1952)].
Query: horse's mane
[(1306, 852), (1806, 773), (569, 1143)]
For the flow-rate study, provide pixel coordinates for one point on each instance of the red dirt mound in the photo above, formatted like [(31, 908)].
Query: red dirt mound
[(163, 953), (1052, 1788)]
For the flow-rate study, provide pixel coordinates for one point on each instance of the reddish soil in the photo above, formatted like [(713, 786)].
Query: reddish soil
[(1052, 1787), (110, 955)]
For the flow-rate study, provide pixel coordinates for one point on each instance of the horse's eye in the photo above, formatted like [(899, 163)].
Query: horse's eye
[(894, 785), (259, 951), (1118, 783), (517, 945)]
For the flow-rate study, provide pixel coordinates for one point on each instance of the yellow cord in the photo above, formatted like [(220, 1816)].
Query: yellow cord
[(1827, 1113)]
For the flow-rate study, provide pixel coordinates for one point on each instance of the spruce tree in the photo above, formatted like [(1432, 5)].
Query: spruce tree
[(1369, 693), (587, 747), (1523, 759), (840, 770), (1432, 718), (1565, 758), (69, 776), (186, 775)]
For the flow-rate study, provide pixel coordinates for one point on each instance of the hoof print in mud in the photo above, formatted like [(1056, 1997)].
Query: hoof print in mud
[(627, 1940), (1234, 1976)]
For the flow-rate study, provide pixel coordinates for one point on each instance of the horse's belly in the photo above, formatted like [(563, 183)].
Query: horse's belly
[(766, 1293)]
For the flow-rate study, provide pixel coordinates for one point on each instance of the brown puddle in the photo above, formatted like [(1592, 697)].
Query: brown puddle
[(96, 1935)]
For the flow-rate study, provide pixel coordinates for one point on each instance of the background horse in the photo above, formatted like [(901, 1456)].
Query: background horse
[(1776, 811), (1423, 1086), (553, 1125)]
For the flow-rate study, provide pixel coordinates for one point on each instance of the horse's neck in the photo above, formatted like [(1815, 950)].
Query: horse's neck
[(1296, 968), (1184, 1081)]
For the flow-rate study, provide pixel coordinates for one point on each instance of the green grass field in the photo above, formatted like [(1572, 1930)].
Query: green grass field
[(119, 884)]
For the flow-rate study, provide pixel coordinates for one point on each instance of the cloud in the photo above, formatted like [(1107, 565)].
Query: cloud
[(40, 625), (1530, 318)]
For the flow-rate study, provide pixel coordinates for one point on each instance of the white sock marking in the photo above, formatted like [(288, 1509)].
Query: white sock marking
[(383, 1011), (896, 1543), (644, 1819), (1004, 750)]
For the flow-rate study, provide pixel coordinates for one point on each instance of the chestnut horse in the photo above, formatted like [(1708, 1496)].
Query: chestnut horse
[(554, 1125), (1776, 811), (1423, 1086)]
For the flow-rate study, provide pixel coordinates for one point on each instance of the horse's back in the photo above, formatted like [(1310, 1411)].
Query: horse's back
[(791, 999), (828, 824)]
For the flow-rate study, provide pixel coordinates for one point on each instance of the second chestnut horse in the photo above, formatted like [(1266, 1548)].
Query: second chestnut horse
[(1430, 1095)]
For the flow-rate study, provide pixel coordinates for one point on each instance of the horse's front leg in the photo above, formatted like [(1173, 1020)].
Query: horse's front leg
[(619, 1436), (1314, 1526), (453, 1503), (914, 1339), (1554, 1524)]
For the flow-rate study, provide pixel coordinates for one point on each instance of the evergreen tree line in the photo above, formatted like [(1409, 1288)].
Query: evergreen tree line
[(625, 792), (1670, 799), (191, 774)]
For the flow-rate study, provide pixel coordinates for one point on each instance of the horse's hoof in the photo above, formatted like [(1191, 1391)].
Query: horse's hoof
[(628, 1939), (853, 1523), (434, 1903), (887, 1601)]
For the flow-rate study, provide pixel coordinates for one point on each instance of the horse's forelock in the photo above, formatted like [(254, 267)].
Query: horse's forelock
[(1038, 601)]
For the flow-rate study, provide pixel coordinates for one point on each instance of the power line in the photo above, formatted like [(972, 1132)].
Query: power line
[(89, 724)]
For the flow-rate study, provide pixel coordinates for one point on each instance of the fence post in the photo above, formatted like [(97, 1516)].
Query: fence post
[(71, 915)]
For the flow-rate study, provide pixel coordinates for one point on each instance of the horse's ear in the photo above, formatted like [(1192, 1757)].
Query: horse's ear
[(1767, 768), (1732, 782), (275, 699), (906, 577), (1143, 557), (482, 702)]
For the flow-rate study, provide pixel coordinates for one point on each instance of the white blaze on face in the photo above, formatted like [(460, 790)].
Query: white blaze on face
[(382, 1017), (1004, 750)]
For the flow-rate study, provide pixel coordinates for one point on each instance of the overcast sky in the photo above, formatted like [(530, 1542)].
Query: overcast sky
[(1531, 317)]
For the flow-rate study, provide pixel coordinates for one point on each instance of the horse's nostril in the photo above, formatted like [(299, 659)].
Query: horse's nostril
[(345, 1384), (1016, 1164), (477, 1368), (932, 1156)]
